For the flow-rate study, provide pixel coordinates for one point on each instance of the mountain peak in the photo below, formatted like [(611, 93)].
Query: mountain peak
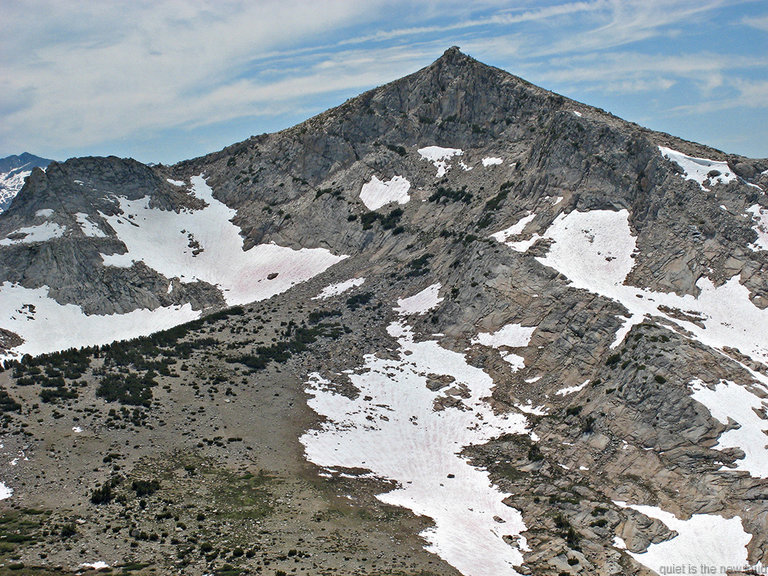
[(454, 57), (453, 53)]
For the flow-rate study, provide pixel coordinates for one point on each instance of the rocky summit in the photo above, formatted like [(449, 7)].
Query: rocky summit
[(457, 325)]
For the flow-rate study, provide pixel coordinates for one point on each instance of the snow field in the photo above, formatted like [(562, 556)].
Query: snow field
[(697, 168), (377, 193), (402, 432), (730, 400), (594, 251), (13, 182), (204, 245), (492, 161), (439, 156), (48, 326), (190, 245), (703, 539)]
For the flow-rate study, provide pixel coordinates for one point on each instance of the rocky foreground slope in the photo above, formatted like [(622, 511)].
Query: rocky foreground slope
[(458, 324)]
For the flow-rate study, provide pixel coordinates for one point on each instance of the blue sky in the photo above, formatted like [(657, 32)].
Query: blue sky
[(166, 81)]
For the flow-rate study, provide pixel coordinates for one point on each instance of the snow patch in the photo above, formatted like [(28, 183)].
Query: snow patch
[(420, 303), (515, 230), (39, 233), (492, 161), (397, 428), (760, 215), (44, 213), (376, 193), (515, 361), (730, 400), (704, 539), (339, 288), (439, 156), (698, 169), (98, 565), (204, 245), (88, 227), (5, 491), (511, 335), (576, 113), (529, 408), (176, 182)]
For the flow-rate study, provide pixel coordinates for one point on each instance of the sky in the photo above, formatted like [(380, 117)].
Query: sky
[(164, 81)]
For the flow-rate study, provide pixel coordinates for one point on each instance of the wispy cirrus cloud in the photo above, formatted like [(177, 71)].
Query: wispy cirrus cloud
[(758, 22), (80, 76)]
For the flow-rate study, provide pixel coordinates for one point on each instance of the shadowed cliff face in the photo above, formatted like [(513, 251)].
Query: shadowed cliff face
[(582, 298)]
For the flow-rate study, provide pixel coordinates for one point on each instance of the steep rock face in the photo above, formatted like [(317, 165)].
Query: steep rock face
[(584, 297)]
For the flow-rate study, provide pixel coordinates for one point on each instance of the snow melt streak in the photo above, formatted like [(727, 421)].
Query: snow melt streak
[(398, 434), (204, 245)]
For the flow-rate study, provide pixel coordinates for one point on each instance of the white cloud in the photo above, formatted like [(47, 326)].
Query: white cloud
[(759, 22), (749, 95), (633, 72), (125, 67), (78, 75)]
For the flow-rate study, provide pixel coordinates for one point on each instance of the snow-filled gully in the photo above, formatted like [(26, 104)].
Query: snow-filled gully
[(398, 428)]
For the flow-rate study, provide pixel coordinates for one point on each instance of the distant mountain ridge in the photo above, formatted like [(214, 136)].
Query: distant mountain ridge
[(13, 171)]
